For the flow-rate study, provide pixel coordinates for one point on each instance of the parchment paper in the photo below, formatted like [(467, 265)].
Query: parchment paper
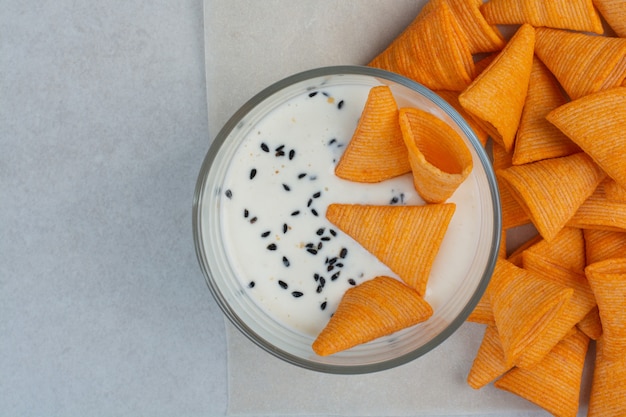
[(249, 45)]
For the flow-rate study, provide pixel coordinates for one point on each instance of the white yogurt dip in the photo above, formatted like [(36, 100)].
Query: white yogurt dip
[(292, 261)]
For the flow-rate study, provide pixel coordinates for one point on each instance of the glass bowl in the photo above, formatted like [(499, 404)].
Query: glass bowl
[(280, 150)]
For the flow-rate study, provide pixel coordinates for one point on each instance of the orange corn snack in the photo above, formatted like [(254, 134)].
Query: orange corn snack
[(496, 97), (452, 98), (372, 309), (482, 36), (376, 151), (435, 38), (405, 238), (501, 158), (553, 384), (537, 138), (614, 191), (614, 12), (579, 305), (582, 63), (609, 384), (440, 160), (608, 281), (489, 362), (524, 306), (591, 325), (513, 214), (567, 249), (561, 14), (552, 190), (604, 244), (596, 123), (598, 212)]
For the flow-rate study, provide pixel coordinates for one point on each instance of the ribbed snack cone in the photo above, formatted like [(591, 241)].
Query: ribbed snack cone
[(608, 282), (553, 189), (600, 212), (562, 14), (582, 63), (489, 362), (434, 37), (524, 305), (608, 385), (405, 238), (537, 138), (376, 151), (497, 96), (597, 123), (553, 384), (614, 12), (603, 244), (440, 160), (372, 309)]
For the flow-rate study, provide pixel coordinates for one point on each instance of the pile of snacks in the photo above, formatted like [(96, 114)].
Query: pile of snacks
[(553, 100)]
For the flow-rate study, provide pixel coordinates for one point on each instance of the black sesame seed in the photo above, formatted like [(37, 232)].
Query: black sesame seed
[(320, 231), (280, 148), (309, 245), (229, 194), (246, 213), (319, 245), (316, 277), (314, 212), (332, 232), (265, 147), (319, 289), (339, 265), (292, 153), (283, 284), (394, 200), (317, 194), (265, 234), (308, 204), (252, 173), (333, 140), (330, 268), (297, 294), (323, 306), (253, 220), (312, 251), (332, 261), (340, 105), (295, 213), (335, 276), (279, 153), (322, 281), (285, 227), (285, 261), (351, 282), (251, 284), (302, 175), (271, 246), (313, 94), (286, 187), (343, 253), (325, 239)]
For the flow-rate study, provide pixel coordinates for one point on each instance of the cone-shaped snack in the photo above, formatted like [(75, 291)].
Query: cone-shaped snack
[(405, 238), (440, 160), (562, 14), (604, 244), (609, 384), (598, 212), (370, 310), (580, 304), (513, 214), (452, 98), (582, 63), (496, 97), (376, 151), (435, 38), (524, 305), (608, 281), (567, 249), (554, 384), (537, 138), (482, 36), (552, 190), (597, 123), (489, 362), (591, 325), (614, 12)]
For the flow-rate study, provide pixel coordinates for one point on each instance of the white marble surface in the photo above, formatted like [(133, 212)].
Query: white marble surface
[(103, 127)]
